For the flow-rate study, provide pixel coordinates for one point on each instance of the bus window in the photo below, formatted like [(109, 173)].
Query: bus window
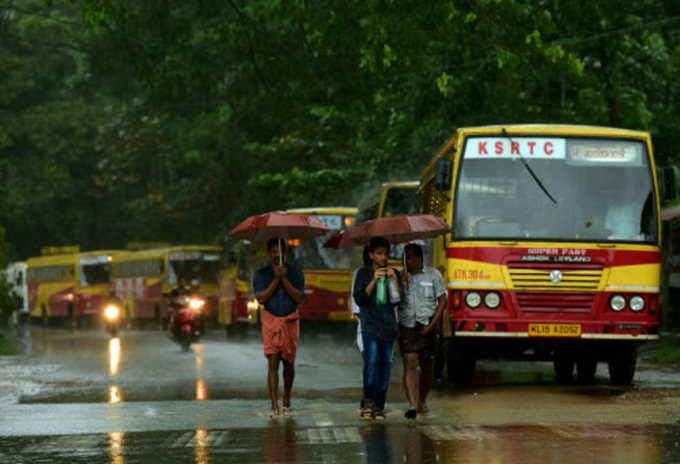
[(94, 270), (189, 265), (310, 254)]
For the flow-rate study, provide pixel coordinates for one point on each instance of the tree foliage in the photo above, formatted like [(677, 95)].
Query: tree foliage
[(172, 120)]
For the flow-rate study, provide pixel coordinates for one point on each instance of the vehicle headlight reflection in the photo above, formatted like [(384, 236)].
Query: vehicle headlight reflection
[(115, 395), (114, 356)]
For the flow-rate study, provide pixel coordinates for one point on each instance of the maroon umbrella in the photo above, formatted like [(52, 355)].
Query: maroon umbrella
[(340, 239), (279, 224), (400, 229)]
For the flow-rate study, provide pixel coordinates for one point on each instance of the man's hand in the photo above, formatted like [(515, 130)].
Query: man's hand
[(404, 279), (428, 328), (391, 273), (379, 273), (280, 271)]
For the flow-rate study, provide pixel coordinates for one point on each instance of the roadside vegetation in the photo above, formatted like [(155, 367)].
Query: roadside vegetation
[(664, 352), (7, 345)]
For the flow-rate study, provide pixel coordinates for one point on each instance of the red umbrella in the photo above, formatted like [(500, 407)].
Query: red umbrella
[(279, 224), (340, 239), (400, 229)]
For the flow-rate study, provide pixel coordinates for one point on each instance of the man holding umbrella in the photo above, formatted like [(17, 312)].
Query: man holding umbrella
[(280, 288)]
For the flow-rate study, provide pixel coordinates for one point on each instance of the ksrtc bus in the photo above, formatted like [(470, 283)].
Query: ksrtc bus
[(144, 279), (391, 199), (67, 283), (555, 253)]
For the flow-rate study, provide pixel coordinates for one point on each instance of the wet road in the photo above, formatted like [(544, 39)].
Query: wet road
[(85, 398)]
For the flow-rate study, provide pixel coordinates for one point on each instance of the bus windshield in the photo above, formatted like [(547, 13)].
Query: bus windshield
[(400, 200), (603, 189), (94, 270), (310, 254), (190, 265)]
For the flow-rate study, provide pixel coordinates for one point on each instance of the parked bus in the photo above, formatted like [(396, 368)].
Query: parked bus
[(555, 253), (391, 199), (67, 283), (328, 274), (143, 279)]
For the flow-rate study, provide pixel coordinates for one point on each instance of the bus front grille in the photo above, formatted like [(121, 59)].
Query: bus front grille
[(548, 276), (552, 302)]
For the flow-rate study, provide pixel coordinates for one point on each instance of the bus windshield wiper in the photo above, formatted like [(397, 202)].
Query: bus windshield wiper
[(526, 165)]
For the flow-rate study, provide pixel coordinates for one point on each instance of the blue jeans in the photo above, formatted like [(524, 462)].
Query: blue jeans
[(377, 369)]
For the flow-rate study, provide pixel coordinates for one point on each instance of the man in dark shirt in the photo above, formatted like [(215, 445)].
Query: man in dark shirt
[(378, 325), (280, 288)]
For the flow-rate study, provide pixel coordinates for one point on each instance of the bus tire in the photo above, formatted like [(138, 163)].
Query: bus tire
[(563, 364), (460, 363), (158, 317), (622, 363), (43, 316), (72, 317), (586, 367)]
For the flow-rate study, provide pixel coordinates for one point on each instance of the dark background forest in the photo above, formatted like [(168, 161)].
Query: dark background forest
[(171, 120)]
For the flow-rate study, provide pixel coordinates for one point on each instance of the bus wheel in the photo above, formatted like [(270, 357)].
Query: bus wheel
[(563, 364), (72, 318), (460, 363), (43, 316), (158, 317), (622, 365), (585, 370)]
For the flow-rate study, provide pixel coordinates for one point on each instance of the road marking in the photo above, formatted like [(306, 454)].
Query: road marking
[(82, 445), (328, 435), (194, 438), (454, 432)]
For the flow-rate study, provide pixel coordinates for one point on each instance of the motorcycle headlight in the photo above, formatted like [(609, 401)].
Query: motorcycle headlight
[(617, 303), (111, 312), (637, 303), (196, 303), (473, 300), (253, 305)]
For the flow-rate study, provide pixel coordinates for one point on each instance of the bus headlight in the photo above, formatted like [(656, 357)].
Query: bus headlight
[(473, 300), (617, 303), (637, 303), (492, 300), (111, 312)]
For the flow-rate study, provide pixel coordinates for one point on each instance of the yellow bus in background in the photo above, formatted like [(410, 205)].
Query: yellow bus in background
[(142, 279), (67, 283), (390, 199)]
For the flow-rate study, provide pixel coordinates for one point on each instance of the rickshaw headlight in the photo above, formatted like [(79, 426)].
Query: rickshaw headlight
[(473, 300), (196, 303), (492, 300), (617, 303), (637, 303)]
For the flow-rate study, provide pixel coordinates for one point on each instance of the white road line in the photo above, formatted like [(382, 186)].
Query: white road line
[(82, 444)]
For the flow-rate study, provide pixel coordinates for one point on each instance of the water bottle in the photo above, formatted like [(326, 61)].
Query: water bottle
[(381, 291)]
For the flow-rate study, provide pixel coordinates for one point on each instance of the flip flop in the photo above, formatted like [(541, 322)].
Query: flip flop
[(274, 413), (287, 411), (423, 411)]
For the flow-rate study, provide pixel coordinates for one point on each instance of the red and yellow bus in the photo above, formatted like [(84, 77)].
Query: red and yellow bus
[(555, 253), (328, 274), (67, 283), (328, 271), (142, 279)]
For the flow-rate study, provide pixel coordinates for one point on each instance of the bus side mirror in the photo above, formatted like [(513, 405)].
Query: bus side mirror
[(442, 179)]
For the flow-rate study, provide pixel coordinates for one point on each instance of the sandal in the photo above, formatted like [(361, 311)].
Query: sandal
[(411, 414), (287, 411), (423, 411), (379, 415), (367, 413), (274, 413)]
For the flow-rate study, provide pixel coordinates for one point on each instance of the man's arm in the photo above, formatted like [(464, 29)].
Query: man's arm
[(262, 293), (440, 289)]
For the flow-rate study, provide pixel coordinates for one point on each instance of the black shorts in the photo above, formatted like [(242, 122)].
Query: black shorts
[(412, 340)]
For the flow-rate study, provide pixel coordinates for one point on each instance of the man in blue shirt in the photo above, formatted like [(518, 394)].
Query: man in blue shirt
[(280, 288)]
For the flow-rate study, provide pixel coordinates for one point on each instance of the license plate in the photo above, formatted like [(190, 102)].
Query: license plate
[(554, 330)]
